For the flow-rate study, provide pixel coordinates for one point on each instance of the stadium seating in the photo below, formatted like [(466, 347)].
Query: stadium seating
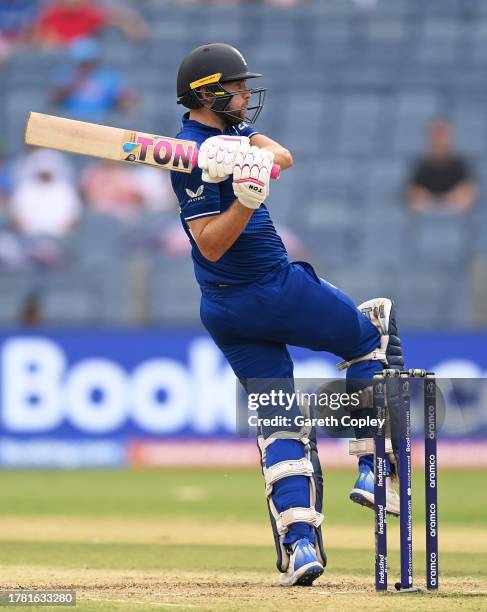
[(352, 86)]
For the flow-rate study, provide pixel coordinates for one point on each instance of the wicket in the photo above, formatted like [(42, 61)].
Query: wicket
[(402, 447)]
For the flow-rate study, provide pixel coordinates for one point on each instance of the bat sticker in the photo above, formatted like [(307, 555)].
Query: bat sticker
[(132, 148), (164, 152)]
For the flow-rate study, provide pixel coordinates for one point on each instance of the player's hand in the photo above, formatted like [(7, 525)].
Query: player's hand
[(217, 156), (251, 176)]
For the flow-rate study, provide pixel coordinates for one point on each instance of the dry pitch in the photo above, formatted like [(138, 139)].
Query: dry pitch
[(199, 540)]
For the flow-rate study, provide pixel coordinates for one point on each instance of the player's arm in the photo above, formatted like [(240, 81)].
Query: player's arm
[(462, 196), (215, 235), (282, 156)]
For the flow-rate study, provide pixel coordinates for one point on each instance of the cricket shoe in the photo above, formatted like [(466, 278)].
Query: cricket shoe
[(304, 566), (363, 490)]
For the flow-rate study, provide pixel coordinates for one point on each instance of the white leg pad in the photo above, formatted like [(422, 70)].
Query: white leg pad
[(292, 467), (378, 311), (284, 469)]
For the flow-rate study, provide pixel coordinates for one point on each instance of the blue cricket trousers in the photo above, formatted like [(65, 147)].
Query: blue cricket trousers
[(252, 324)]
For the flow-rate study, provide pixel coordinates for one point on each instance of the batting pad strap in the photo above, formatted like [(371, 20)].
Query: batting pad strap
[(297, 515), (366, 446), (377, 355), (283, 469), (283, 435)]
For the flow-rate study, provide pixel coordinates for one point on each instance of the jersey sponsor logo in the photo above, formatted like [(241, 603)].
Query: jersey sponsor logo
[(196, 195)]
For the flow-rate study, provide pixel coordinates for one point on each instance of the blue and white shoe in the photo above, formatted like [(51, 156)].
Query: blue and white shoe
[(363, 490), (304, 566)]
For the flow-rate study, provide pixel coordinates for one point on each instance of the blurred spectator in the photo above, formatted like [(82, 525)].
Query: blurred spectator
[(31, 314), (295, 247), (441, 179), (66, 21), (124, 191), (17, 18), (27, 164), (113, 188), (44, 202), (173, 240), (156, 187), (85, 89)]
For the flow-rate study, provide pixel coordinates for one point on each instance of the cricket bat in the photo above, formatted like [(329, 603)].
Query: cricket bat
[(113, 143)]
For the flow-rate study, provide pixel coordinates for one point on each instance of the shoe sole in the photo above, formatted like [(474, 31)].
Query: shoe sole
[(358, 497), (309, 574)]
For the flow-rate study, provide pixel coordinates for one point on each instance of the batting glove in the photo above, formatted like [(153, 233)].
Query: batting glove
[(217, 156), (251, 176)]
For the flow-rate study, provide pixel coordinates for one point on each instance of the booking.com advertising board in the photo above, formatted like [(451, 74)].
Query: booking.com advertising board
[(81, 399)]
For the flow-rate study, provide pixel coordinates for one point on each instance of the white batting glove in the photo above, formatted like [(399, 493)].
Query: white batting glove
[(217, 156), (251, 176)]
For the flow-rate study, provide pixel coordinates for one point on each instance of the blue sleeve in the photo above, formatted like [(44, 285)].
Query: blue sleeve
[(196, 198), (243, 129)]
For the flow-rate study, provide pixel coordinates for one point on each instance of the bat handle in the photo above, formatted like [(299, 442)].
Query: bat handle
[(275, 172)]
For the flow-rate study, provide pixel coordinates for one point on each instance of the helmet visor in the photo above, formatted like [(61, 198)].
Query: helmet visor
[(223, 97)]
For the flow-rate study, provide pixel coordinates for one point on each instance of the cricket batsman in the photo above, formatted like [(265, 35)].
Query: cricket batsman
[(255, 302)]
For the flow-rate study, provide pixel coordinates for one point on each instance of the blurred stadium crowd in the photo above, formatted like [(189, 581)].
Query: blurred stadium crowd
[(353, 89)]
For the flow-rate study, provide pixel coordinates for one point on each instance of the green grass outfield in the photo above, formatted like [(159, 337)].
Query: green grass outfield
[(199, 540)]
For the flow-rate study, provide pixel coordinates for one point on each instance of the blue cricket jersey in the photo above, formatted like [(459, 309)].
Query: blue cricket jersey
[(256, 252)]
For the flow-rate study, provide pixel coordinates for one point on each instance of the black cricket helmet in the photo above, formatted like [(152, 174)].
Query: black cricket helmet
[(211, 66)]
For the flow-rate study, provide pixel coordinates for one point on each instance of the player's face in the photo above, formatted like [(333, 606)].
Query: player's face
[(440, 138), (240, 101)]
